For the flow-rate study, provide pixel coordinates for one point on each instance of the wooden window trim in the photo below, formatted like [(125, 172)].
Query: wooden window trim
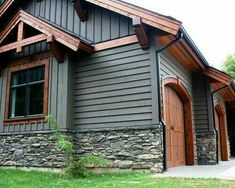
[(33, 119)]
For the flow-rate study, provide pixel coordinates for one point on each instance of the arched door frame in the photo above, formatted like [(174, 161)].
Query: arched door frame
[(219, 108), (175, 84)]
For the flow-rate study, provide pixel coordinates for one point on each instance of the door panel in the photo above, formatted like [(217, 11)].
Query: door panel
[(175, 136)]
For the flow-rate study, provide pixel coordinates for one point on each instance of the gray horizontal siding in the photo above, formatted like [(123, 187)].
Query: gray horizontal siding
[(201, 103), (171, 67), (113, 89), (102, 24)]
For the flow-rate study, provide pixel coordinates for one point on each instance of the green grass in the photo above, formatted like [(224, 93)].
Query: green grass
[(22, 179)]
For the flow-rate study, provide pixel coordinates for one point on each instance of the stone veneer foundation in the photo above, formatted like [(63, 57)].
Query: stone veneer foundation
[(30, 150), (206, 148), (124, 149)]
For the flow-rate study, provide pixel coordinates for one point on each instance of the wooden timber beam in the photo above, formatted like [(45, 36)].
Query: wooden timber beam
[(79, 8), (20, 35), (24, 42), (140, 32), (56, 51), (5, 5), (116, 43)]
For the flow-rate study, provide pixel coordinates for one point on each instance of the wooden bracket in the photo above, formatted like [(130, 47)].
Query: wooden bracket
[(56, 51), (140, 32), (79, 8), (20, 35)]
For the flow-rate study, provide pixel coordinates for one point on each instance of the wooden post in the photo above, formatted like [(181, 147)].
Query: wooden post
[(56, 51), (79, 8), (20, 35), (140, 32)]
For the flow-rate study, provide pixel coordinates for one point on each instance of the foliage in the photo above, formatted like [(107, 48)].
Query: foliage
[(93, 161), (62, 142), (74, 167), (22, 179), (229, 65), (77, 169)]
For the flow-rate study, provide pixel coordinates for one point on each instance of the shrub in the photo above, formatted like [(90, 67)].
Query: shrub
[(74, 167), (77, 169)]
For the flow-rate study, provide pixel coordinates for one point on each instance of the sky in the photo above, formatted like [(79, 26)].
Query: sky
[(210, 24)]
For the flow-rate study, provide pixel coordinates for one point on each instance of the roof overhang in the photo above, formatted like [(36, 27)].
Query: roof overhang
[(183, 52), (218, 76), (47, 32), (218, 80)]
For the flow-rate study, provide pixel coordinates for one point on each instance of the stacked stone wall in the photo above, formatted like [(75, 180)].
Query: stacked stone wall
[(206, 148), (124, 149)]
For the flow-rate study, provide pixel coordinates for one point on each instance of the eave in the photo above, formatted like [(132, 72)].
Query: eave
[(220, 80), (183, 53), (228, 93), (218, 76)]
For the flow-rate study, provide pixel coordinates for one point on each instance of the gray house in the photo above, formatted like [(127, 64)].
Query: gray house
[(124, 83)]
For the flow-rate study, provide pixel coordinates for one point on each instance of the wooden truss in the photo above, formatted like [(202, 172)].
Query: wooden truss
[(49, 33)]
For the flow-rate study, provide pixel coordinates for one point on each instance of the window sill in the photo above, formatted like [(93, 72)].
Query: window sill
[(29, 120)]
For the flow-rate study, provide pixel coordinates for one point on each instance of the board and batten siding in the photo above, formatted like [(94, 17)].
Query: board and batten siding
[(29, 50), (113, 89), (59, 105), (101, 25)]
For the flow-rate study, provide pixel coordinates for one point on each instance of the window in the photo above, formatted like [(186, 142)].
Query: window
[(27, 92), (26, 96)]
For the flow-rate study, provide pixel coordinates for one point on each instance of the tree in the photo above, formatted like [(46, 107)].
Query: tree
[(229, 65)]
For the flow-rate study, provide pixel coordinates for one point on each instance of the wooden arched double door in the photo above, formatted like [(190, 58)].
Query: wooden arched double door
[(178, 118)]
